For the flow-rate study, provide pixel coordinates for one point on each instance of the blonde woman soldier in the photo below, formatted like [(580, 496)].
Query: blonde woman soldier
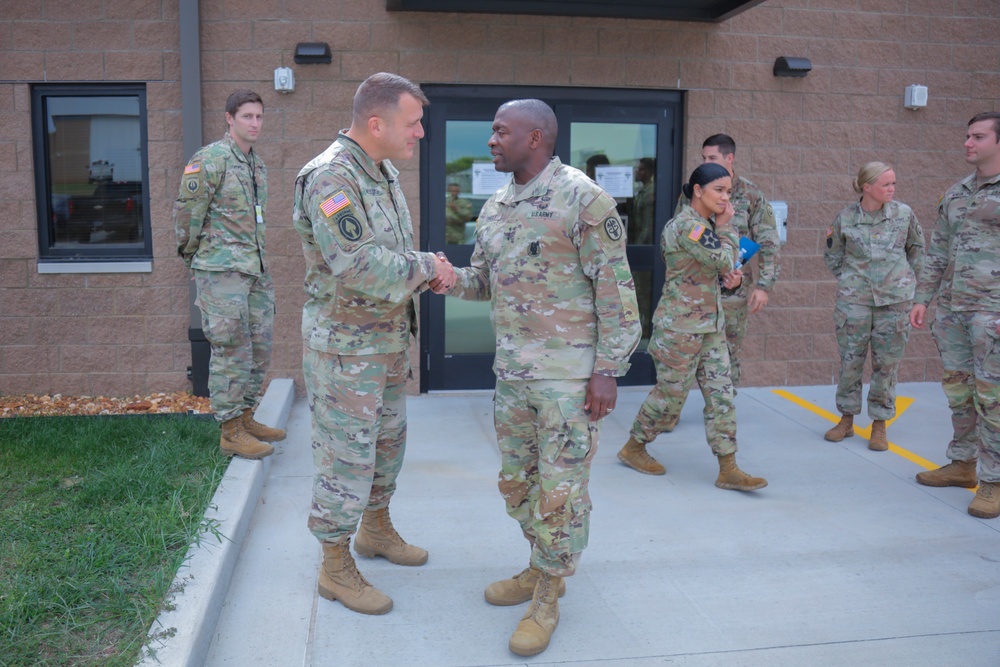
[(875, 249)]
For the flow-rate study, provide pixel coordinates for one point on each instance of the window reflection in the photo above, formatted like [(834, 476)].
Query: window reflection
[(94, 173)]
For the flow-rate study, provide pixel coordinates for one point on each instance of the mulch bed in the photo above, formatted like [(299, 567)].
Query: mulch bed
[(31, 405)]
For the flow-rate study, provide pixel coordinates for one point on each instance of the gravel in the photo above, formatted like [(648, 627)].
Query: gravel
[(30, 405)]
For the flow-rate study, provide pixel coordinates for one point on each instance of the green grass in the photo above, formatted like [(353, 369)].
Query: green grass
[(96, 514)]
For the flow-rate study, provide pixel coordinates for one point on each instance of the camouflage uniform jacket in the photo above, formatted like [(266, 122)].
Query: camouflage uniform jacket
[(876, 263), (552, 260), (754, 219), (214, 217), (361, 268), (963, 259), (695, 251)]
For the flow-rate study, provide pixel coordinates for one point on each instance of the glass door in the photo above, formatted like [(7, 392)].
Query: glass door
[(626, 145)]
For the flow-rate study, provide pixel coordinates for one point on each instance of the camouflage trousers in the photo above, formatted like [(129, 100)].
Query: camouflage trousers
[(970, 353), (884, 329), (358, 406), (680, 359), (237, 317), (737, 313), (547, 444)]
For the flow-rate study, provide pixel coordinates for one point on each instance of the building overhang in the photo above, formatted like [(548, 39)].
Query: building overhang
[(712, 11)]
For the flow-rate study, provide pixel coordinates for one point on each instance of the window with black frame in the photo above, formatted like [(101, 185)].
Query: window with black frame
[(91, 174)]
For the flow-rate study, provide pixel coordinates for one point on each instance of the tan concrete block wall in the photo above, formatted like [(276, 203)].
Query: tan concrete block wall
[(801, 140)]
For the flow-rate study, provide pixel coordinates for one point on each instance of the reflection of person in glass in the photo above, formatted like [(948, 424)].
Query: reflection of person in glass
[(689, 337), (457, 212), (641, 221), (595, 161)]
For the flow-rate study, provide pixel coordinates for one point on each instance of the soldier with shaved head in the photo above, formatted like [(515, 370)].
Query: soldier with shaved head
[(550, 257)]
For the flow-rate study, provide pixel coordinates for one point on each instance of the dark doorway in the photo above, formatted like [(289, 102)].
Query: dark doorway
[(627, 140)]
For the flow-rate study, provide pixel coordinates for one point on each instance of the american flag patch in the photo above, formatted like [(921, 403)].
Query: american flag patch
[(334, 204), (696, 232), (192, 169)]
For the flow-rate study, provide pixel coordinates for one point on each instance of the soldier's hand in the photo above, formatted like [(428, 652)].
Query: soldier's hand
[(727, 215), (732, 279), (758, 299), (917, 314), (444, 277), (602, 395)]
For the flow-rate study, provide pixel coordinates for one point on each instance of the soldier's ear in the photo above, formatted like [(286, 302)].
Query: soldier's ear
[(375, 126)]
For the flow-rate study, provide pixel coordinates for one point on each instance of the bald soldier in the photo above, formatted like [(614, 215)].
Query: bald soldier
[(550, 257), (362, 274)]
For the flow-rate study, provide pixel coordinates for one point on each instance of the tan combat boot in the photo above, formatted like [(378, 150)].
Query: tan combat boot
[(843, 429), (533, 633), (635, 456), (956, 473), (339, 579), (986, 504), (236, 441), (260, 431), (878, 442), (377, 537), (731, 477), (518, 589)]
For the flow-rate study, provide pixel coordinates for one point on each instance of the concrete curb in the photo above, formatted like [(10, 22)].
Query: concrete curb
[(182, 635)]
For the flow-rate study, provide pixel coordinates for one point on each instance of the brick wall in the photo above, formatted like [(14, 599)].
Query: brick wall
[(801, 140)]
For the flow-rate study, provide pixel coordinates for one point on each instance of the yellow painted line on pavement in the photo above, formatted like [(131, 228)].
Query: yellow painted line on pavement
[(902, 403)]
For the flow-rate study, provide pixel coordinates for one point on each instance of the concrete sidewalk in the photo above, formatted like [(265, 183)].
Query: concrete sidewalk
[(842, 560)]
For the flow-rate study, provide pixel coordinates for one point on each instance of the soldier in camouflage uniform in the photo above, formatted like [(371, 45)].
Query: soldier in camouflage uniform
[(753, 219), (874, 249), (688, 342), (963, 262), (362, 274), (550, 256), (219, 220)]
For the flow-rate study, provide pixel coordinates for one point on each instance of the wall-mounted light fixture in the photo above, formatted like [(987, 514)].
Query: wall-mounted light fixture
[(788, 66), (312, 53), (915, 97)]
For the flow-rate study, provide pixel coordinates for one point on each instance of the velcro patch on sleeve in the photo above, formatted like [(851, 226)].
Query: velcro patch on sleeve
[(697, 232), (598, 210), (337, 202), (192, 168)]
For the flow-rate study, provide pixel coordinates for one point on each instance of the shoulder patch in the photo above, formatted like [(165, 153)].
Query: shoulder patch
[(336, 202), (710, 240), (829, 231), (697, 232), (192, 168), (349, 227), (191, 184), (613, 228)]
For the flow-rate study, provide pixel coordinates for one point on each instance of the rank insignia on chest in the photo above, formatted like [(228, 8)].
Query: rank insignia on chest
[(335, 203), (533, 250), (613, 227)]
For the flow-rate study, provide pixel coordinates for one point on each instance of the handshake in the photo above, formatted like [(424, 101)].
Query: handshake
[(444, 276)]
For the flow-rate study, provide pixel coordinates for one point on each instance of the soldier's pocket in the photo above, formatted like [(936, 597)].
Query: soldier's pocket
[(991, 360), (839, 319), (221, 319)]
